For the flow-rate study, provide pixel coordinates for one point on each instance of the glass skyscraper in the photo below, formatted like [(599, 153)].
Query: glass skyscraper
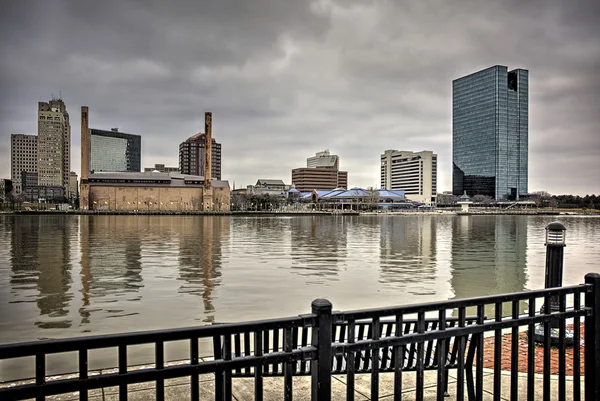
[(490, 133), (114, 151)]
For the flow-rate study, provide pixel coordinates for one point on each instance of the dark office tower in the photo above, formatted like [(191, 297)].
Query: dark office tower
[(191, 156), (490, 133)]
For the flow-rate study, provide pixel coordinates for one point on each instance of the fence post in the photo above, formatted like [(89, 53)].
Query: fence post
[(320, 368), (592, 339)]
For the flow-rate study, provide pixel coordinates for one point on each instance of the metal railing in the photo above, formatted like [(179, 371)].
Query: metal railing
[(431, 345)]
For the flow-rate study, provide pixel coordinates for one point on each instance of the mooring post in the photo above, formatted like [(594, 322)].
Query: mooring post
[(320, 368), (592, 339)]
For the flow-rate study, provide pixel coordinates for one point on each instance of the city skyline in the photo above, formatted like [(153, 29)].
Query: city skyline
[(291, 79)]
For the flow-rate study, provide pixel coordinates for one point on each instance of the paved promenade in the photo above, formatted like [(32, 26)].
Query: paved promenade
[(243, 388)]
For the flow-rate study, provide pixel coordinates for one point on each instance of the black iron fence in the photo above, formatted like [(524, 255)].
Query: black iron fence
[(433, 336)]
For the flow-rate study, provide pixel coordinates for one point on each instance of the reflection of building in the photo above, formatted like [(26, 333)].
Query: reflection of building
[(200, 258), (192, 156), (149, 191), (490, 133), (408, 252), (489, 255), (317, 245), (114, 151), (23, 157), (415, 173), (162, 169), (54, 144), (40, 255)]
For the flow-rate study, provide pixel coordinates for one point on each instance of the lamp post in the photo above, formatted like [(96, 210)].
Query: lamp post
[(555, 250)]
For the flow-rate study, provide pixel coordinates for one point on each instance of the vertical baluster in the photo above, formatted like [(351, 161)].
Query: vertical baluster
[(361, 332), (497, 353), (40, 373), (287, 368), (420, 350), (237, 350), (350, 362), (304, 343), (159, 358), (247, 351), (83, 373), (295, 346), (514, 357), (375, 361), (479, 371), (275, 348), (266, 349), (217, 350), (194, 360), (531, 353), (227, 392), (547, 371), (576, 348), (460, 374), (123, 371), (258, 376), (441, 358), (562, 364), (398, 360)]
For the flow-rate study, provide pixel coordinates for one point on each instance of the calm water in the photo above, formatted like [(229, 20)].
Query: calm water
[(64, 276)]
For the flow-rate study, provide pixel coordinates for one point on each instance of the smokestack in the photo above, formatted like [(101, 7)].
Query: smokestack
[(85, 144), (207, 148)]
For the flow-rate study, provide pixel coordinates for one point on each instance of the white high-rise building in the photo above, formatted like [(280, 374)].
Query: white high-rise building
[(323, 160), (415, 173), (54, 144), (23, 157)]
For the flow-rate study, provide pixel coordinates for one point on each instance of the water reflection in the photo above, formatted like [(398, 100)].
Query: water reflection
[(43, 266), (200, 254), (318, 247), (408, 252), (489, 256)]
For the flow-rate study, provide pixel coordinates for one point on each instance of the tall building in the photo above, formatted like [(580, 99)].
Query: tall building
[(23, 157), (323, 159), (54, 144), (191, 156), (73, 185), (114, 151), (490, 133), (161, 169), (306, 179), (415, 173)]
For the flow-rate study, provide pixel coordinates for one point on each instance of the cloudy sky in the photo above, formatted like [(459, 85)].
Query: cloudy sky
[(285, 79)]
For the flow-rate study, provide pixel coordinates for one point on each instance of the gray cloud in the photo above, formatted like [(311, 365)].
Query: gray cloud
[(287, 79)]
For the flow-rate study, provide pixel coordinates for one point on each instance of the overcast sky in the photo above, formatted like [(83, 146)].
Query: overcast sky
[(285, 79)]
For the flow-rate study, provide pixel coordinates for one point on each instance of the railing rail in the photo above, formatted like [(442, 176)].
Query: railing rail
[(441, 336)]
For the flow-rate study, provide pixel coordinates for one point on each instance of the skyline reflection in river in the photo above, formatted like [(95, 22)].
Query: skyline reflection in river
[(66, 276)]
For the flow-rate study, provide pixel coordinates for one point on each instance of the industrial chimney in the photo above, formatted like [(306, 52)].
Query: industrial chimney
[(207, 148), (85, 144)]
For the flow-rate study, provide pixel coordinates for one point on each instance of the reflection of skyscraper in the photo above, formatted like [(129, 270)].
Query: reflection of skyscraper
[(200, 257), (489, 255), (318, 244), (408, 252), (41, 260)]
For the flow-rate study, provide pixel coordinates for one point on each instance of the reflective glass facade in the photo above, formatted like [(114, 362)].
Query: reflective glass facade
[(490, 133), (113, 151)]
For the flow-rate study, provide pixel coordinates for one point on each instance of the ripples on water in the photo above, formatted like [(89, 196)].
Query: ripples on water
[(63, 276)]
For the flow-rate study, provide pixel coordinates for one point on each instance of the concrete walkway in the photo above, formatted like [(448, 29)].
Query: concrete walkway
[(243, 388)]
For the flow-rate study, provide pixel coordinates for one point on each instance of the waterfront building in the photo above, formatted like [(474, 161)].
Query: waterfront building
[(161, 169), (358, 199), (6, 189), (322, 172), (73, 186), (306, 179), (323, 159), (54, 144), (490, 133), (23, 157), (114, 151), (415, 173), (192, 156), (149, 191)]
